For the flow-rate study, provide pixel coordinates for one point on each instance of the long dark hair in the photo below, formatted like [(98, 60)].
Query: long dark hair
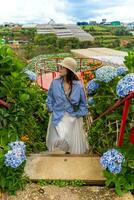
[(70, 77)]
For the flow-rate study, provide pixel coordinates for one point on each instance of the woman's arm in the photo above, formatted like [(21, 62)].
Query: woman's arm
[(83, 106), (49, 99)]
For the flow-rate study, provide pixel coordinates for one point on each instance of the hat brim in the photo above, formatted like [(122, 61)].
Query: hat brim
[(69, 69)]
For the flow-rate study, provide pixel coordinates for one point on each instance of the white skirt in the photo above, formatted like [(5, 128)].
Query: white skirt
[(67, 136)]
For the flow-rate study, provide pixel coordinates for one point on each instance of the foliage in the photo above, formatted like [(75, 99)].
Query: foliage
[(61, 183), (121, 31), (8, 61), (26, 120), (123, 181), (109, 36), (45, 39), (104, 129), (129, 61), (11, 179), (28, 113), (49, 43)]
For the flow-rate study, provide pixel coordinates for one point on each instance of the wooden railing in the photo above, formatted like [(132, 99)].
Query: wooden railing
[(40, 71), (4, 104), (57, 60)]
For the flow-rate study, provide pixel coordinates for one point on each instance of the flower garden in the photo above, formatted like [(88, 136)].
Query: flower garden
[(24, 120)]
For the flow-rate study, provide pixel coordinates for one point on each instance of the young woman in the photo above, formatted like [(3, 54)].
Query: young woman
[(67, 103)]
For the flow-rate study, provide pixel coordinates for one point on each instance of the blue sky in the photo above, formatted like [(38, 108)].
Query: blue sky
[(65, 11)]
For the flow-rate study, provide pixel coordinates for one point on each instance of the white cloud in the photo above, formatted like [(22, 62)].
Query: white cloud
[(34, 11), (123, 12), (65, 11)]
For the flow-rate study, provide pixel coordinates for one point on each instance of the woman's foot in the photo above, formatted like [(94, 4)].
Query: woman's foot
[(57, 151), (67, 152)]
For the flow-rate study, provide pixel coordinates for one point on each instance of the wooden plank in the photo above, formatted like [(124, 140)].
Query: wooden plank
[(64, 167)]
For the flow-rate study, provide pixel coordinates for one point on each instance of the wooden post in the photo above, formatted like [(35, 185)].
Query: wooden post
[(80, 64), (45, 67), (41, 77), (4, 104), (57, 64), (53, 75), (36, 67)]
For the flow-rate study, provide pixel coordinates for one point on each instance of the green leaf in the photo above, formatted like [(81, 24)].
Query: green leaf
[(132, 108), (15, 74), (131, 164), (24, 97)]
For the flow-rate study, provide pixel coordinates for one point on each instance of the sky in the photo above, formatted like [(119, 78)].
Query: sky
[(65, 11)]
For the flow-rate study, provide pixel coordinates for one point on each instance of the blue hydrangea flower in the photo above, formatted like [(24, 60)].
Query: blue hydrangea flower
[(15, 157), (112, 160), (31, 75), (17, 144), (121, 70), (91, 101), (106, 73), (92, 86), (125, 85)]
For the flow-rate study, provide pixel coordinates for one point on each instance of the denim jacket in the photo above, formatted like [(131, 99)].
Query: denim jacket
[(58, 103)]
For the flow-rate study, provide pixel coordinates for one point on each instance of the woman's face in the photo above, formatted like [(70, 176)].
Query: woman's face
[(62, 71)]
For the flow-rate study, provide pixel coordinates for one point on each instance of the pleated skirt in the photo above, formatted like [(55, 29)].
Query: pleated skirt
[(68, 135)]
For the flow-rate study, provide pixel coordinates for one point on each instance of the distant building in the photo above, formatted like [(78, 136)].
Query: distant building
[(132, 32), (16, 28), (105, 23), (17, 43), (104, 20), (65, 31), (51, 22), (9, 24), (29, 26), (92, 23), (82, 23), (115, 23), (130, 26)]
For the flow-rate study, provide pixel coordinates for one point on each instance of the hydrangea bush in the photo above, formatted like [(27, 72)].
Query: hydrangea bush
[(109, 85)]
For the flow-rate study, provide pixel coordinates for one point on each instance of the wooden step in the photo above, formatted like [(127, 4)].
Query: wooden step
[(64, 167)]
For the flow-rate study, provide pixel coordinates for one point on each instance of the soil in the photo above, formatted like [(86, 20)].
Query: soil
[(34, 191)]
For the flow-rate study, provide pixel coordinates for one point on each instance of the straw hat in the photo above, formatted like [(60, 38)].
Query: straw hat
[(70, 64)]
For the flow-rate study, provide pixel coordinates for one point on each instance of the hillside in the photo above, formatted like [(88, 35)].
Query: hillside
[(111, 37)]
